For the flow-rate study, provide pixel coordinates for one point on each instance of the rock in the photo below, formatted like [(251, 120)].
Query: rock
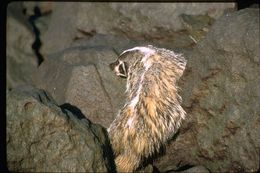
[(42, 137), (21, 62), (152, 21), (85, 89), (42, 23), (44, 7), (146, 169), (220, 90), (196, 25), (64, 36), (81, 76), (39, 15), (116, 43), (197, 169)]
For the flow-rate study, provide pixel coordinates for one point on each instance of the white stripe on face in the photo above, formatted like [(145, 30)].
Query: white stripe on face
[(145, 50), (118, 73)]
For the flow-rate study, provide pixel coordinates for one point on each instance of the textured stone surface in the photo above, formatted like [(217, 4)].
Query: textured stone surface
[(86, 91), (21, 63), (196, 25), (42, 137), (221, 93), (44, 7), (81, 76), (116, 43), (133, 20)]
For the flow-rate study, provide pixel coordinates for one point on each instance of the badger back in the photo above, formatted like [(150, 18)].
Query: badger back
[(152, 92)]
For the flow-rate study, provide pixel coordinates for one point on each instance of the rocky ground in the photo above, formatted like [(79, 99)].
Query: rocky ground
[(61, 94)]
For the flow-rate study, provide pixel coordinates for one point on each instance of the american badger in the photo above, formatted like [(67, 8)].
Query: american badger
[(152, 112)]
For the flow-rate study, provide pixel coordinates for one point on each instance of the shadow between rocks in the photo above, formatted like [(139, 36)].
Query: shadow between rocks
[(37, 43), (73, 109), (108, 152)]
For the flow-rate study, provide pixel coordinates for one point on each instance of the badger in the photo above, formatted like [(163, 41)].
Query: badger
[(152, 112)]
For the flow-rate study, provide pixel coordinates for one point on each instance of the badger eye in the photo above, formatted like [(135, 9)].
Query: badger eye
[(123, 69)]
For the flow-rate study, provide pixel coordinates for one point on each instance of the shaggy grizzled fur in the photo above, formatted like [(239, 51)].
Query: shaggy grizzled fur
[(152, 112)]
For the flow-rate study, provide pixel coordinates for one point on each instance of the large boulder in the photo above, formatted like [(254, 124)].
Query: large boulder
[(158, 21), (221, 94), (21, 62), (42, 137), (80, 76), (44, 7)]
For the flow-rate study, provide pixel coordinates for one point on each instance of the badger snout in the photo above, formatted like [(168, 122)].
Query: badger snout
[(113, 65), (120, 68)]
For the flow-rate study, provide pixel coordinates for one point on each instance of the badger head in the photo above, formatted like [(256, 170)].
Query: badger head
[(128, 57)]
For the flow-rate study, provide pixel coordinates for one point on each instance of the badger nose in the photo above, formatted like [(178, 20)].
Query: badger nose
[(112, 65)]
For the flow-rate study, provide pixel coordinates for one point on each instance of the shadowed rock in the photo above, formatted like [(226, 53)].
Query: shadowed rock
[(132, 20), (81, 76), (41, 137), (21, 63), (220, 90)]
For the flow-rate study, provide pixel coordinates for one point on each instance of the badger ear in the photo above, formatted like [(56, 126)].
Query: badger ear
[(123, 69)]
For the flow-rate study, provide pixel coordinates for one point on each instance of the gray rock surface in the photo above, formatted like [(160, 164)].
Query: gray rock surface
[(42, 137), (21, 63), (116, 43), (81, 77), (221, 94), (44, 7), (196, 169), (196, 25), (133, 20), (39, 13)]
